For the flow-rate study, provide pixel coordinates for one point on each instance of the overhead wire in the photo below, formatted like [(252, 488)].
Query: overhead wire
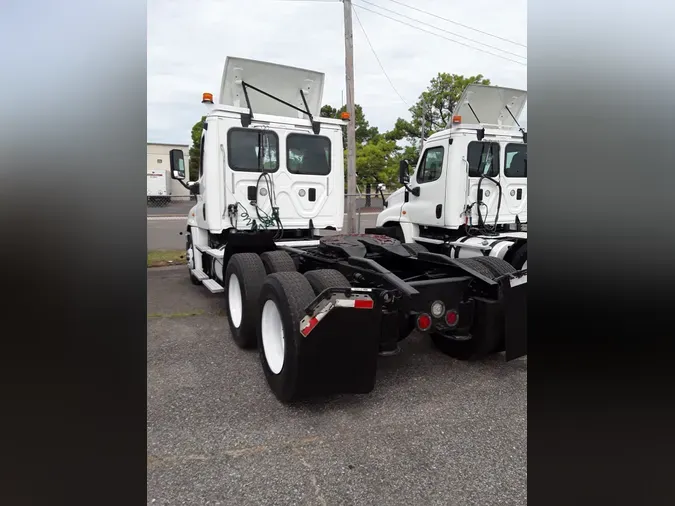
[(441, 36), (442, 29), (358, 20), (458, 24)]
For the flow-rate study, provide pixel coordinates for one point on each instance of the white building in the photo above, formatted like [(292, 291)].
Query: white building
[(158, 159)]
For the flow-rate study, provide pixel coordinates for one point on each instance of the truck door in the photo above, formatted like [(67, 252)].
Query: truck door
[(515, 179), (483, 159), (430, 177), (249, 151), (306, 181)]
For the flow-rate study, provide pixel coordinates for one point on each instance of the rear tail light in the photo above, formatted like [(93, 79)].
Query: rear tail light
[(452, 317), (424, 322)]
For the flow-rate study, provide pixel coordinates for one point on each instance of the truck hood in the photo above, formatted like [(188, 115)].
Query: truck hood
[(489, 104), (282, 81)]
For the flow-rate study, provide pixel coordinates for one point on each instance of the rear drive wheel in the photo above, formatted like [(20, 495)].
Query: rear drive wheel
[(283, 297), (462, 347), (415, 248), (322, 279), (277, 261), (243, 279), (498, 266), (519, 259), (480, 268)]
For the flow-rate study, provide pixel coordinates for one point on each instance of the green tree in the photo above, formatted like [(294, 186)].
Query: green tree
[(195, 149), (435, 105), (364, 132), (377, 162)]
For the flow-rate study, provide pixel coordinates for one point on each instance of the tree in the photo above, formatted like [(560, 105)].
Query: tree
[(435, 105), (195, 149), (364, 132), (377, 162)]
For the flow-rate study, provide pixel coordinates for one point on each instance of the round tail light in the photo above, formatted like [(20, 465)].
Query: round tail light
[(451, 318), (437, 309), (424, 322)]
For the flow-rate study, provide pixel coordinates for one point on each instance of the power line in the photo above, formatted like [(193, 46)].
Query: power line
[(458, 24), (444, 30), (378, 60), (441, 36)]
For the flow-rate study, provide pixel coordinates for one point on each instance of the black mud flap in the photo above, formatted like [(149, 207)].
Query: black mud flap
[(514, 302), (340, 346)]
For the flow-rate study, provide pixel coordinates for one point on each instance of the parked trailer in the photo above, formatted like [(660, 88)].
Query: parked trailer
[(320, 309), (158, 187)]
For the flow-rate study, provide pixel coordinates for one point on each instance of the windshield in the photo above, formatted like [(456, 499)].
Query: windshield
[(515, 160), (308, 154)]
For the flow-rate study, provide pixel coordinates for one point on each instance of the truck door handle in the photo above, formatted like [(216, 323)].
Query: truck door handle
[(439, 210), (519, 194)]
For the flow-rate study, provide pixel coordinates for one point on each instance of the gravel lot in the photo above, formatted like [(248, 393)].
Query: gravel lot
[(434, 430)]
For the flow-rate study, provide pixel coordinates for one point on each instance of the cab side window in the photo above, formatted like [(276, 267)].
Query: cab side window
[(201, 154), (431, 166)]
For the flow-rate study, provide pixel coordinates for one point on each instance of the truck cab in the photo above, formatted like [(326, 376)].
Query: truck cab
[(470, 184), (268, 163)]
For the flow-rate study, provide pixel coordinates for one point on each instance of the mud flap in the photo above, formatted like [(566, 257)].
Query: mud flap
[(513, 294), (340, 346)]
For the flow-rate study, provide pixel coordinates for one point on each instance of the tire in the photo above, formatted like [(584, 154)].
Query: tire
[(283, 298), (480, 268), (277, 261), (471, 349), (519, 259), (244, 277), (462, 350), (322, 279), (498, 266), (188, 247), (415, 248)]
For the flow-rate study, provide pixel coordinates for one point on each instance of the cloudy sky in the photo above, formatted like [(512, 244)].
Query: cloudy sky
[(188, 41)]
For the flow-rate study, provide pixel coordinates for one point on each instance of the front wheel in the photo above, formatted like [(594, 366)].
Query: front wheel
[(189, 256)]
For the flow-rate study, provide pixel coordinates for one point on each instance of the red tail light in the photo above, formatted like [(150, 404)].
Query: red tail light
[(451, 317), (424, 322)]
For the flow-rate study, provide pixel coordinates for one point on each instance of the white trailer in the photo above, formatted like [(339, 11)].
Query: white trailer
[(158, 186), (467, 196), (321, 307)]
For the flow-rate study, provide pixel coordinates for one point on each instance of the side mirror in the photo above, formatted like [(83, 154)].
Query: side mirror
[(403, 175), (194, 188), (177, 164)]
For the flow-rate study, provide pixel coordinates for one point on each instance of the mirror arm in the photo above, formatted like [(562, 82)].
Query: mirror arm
[(183, 184)]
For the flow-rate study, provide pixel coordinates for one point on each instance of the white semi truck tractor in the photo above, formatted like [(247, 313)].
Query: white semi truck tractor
[(467, 197), (321, 308)]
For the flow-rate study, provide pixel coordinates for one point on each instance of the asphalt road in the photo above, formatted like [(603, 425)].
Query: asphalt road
[(164, 232), (433, 432)]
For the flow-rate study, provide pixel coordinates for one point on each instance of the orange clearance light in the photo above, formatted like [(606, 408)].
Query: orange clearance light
[(344, 115), (207, 98), (456, 119)]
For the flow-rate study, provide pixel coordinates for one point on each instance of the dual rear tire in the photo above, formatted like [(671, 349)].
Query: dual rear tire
[(473, 347), (266, 298)]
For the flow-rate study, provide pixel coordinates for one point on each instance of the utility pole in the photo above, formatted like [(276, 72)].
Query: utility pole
[(351, 127), (424, 114)]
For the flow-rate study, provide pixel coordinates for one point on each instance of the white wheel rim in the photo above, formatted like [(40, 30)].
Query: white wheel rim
[(525, 265), (234, 301), (274, 344)]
